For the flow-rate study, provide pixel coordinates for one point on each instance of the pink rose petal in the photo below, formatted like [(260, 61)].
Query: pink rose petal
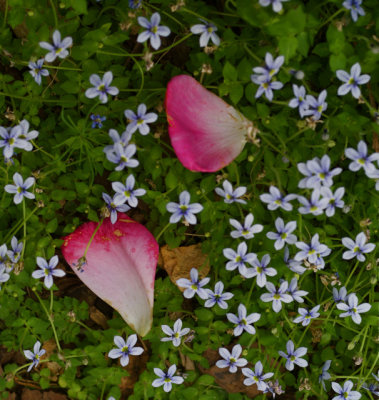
[(206, 133), (120, 268)]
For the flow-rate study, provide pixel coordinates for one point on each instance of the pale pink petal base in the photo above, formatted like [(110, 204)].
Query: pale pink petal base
[(206, 133), (120, 269)]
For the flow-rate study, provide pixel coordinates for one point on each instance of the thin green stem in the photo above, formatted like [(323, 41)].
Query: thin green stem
[(51, 300), (54, 13), (18, 226), (42, 150), (162, 231), (102, 390), (24, 223), (5, 14), (92, 237), (351, 273), (50, 320)]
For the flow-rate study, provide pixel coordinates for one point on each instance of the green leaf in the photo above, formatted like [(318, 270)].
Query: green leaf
[(52, 226), (80, 6), (229, 72), (236, 93), (288, 46), (337, 61)]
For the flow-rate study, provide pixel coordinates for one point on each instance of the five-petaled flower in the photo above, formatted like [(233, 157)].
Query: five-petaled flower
[(218, 297), (4, 276), (34, 355), (175, 334), (10, 139), (19, 189), (247, 230), (352, 309), (36, 70), (232, 359), (230, 195), (294, 356), (276, 4), (125, 349), (58, 48), (299, 100), (257, 376), (122, 155), (316, 106), (243, 322), (324, 373), (313, 252), (184, 209), (334, 199), (345, 392), (167, 378), (154, 30), (194, 286), (140, 120), (357, 248), (47, 270), (97, 121), (101, 87), (352, 81), (206, 31)]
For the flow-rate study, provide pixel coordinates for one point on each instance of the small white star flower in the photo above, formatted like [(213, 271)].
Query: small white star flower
[(345, 392), (351, 81), (361, 159), (275, 199), (19, 189), (47, 270), (153, 30), (294, 356), (283, 234), (58, 48), (261, 270), (206, 31), (140, 120), (184, 209), (257, 376), (218, 297), (277, 295), (306, 316), (239, 258), (34, 355), (101, 87)]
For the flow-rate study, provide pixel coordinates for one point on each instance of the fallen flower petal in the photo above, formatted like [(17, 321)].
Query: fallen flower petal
[(206, 133), (120, 267)]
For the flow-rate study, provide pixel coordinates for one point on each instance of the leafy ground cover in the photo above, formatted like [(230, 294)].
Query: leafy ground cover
[(268, 263)]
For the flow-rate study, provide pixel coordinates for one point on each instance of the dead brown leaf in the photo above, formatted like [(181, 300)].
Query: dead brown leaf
[(186, 362), (179, 262), (98, 317)]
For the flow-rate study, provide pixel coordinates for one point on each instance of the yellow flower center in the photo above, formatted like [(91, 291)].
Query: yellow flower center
[(125, 349)]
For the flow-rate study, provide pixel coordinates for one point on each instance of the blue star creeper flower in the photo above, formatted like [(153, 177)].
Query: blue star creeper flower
[(4, 276), (15, 254), (352, 309), (316, 106), (270, 69), (47, 270), (266, 86), (321, 173), (230, 195), (324, 374), (306, 315), (294, 292), (276, 295), (360, 158), (166, 379), (97, 121), (125, 349), (239, 258), (140, 120), (335, 199), (218, 297), (184, 209), (115, 205), (231, 360), (10, 139), (243, 322), (275, 199), (315, 205), (294, 356), (36, 70), (153, 32), (123, 156), (299, 100), (247, 230), (123, 140), (174, 334), (194, 286), (345, 392), (293, 265), (19, 189), (351, 81), (127, 192), (283, 234), (58, 48), (134, 4), (101, 87), (260, 270), (206, 32), (34, 355), (357, 248), (276, 4), (257, 376), (355, 8)]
